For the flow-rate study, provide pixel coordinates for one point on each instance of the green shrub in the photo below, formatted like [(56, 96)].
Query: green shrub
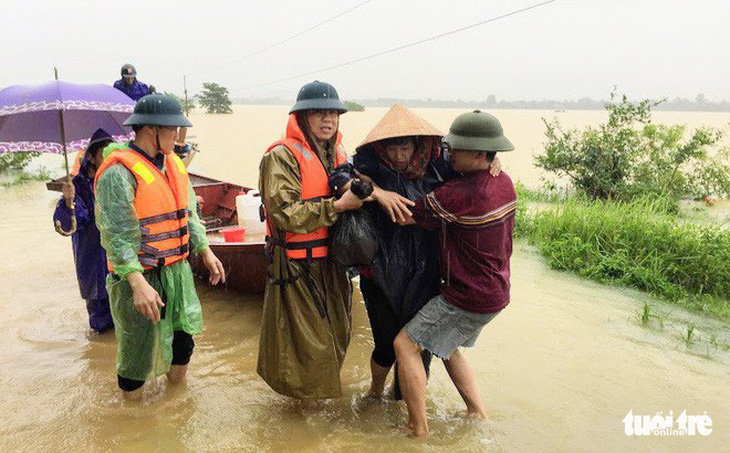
[(637, 244), (523, 221), (629, 156), (15, 161)]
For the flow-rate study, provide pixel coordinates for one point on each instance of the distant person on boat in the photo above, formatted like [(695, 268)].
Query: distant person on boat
[(306, 321), (474, 216), (146, 213), (89, 255), (129, 84)]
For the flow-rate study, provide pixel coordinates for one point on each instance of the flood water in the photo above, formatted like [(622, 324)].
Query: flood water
[(241, 138), (559, 369)]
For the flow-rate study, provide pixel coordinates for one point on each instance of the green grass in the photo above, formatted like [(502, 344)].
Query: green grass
[(639, 244), (689, 336), (650, 317), (645, 314)]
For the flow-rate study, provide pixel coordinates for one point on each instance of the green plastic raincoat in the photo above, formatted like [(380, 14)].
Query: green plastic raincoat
[(306, 321), (144, 350)]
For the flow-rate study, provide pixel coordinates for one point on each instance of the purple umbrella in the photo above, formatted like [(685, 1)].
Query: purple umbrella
[(54, 116), (30, 115)]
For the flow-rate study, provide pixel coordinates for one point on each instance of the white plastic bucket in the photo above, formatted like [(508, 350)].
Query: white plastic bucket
[(247, 206)]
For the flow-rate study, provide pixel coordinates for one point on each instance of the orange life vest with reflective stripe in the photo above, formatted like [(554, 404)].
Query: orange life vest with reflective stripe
[(313, 178), (161, 204)]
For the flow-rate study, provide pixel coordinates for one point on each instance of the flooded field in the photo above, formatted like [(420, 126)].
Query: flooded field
[(559, 369)]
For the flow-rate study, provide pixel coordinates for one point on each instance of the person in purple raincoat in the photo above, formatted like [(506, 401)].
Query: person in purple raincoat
[(129, 84), (90, 257)]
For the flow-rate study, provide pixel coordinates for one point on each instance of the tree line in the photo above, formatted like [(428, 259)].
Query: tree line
[(699, 104)]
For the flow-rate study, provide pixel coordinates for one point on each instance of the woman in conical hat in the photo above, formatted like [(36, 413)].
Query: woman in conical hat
[(402, 156)]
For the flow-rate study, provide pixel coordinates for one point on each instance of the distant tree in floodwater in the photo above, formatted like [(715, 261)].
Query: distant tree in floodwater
[(354, 106), (186, 106), (215, 98)]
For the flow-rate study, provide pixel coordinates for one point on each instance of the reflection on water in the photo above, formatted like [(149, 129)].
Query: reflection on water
[(559, 369)]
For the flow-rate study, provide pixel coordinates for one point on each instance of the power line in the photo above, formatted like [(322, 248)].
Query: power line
[(404, 46), (285, 40)]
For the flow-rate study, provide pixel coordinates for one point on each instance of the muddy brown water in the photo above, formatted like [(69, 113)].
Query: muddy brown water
[(559, 369), (241, 138)]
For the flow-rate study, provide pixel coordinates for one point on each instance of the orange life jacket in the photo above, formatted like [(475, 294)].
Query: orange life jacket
[(313, 178), (76, 166), (161, 204)]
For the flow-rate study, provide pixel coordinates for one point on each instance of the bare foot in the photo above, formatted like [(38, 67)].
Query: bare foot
[(371, 395), (366, 401), (134, 395), (391, 392), (476, 415), (417, 432), (375, 392), (177, 373)]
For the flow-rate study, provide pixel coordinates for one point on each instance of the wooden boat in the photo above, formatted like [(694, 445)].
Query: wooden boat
[(244, 262)]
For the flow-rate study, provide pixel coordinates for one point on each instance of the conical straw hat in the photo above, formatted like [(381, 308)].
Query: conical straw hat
[(400, 122)]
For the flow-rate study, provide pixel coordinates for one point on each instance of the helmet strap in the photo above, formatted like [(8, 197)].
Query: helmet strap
[(446, 151), (157, 138)]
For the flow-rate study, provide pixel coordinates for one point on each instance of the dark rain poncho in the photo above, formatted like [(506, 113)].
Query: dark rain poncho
[(136, 90), (89, 256), (406, 267), (301, 351)]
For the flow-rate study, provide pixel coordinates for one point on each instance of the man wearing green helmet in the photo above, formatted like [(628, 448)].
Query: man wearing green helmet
[(146, 214), (306, 320), (474, 215)]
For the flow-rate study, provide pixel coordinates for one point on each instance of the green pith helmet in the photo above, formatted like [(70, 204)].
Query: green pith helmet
[(477, 131), (128, 71), (158, 110), (318, 96)]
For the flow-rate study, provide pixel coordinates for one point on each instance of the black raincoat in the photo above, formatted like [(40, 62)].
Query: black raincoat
[(406, 266)]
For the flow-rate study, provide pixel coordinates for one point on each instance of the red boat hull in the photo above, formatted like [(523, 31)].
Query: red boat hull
[(244, 263)]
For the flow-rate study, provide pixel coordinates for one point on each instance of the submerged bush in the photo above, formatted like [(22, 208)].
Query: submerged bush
[(523, 221), (354, 106), (15, 161), (637, 244)]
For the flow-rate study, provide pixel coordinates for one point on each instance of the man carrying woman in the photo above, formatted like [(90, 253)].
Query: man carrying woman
[(402, 157)]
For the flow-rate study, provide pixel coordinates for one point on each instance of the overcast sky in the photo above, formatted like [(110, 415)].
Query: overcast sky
[(564, 50)]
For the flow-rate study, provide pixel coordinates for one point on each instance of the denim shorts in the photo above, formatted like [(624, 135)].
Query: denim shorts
[(441, 328)]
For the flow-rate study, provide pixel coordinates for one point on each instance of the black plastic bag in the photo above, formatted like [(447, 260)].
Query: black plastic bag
[(355, 239)]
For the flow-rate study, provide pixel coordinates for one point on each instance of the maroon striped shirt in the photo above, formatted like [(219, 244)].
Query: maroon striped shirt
[(475, 216)]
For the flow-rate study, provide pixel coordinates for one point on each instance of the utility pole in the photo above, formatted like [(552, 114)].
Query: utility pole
[(185, 88)]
